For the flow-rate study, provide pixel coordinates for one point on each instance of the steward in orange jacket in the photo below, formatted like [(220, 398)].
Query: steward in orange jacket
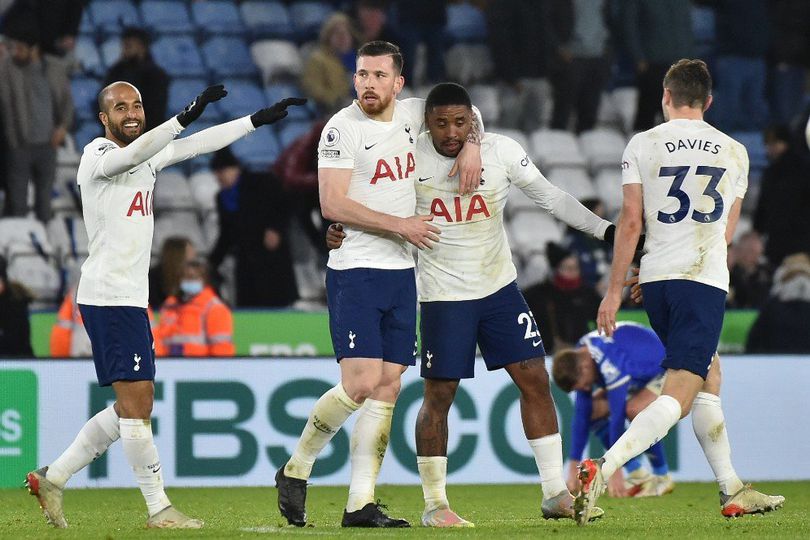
[(195, 322)]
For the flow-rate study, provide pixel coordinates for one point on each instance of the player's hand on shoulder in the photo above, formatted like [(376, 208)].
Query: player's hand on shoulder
[(419, 231), (275, 112), (335, 236), (195, 109), (468, 168)]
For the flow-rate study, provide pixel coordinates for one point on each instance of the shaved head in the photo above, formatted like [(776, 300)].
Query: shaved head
[(107, 95)]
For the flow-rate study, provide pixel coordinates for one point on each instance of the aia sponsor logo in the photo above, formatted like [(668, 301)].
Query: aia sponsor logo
[(142, 204), (399, 170), (458, 212)]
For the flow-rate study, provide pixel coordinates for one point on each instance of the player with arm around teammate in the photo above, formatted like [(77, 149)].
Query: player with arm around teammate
[(116, 178), (468, 296), (366, 173), (614, 378), (686, 181)]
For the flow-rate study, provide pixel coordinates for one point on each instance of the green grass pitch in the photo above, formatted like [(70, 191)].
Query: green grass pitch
[(499, 511)]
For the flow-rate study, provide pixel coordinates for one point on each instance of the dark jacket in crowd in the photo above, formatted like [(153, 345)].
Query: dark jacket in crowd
[(15, 328), (741, 26), (562, 316)]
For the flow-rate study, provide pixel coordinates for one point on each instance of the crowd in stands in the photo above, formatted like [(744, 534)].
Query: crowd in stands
[(572, 80)]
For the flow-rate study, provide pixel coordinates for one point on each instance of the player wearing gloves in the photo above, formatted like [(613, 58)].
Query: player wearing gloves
[(116, 178)]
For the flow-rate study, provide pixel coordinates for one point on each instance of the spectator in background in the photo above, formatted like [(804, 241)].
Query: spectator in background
[(253, 225), (781, 215), (781, 326), (422, 21), (36, 110), (137, 67), (57, 21), (740, 70), (164, 277), (326, 79), (576, 39), (564, 305), (371, 17), (594, 255), (656, 35), (789, 58), (750, 274), (15, 328), (195, 321)]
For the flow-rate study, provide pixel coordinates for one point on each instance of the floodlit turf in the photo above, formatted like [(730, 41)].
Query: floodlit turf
[(505, 511)]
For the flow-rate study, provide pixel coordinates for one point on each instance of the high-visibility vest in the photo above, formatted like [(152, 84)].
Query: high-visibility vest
[(202, 326)]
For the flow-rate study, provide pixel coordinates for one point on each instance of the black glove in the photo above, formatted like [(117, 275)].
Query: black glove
[(194, 109), (610, 236), (273, 114)]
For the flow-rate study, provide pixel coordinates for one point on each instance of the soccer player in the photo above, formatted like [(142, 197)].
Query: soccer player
[(366, 173), (686, 180), (468, 296), (615, 379), (116, 178)]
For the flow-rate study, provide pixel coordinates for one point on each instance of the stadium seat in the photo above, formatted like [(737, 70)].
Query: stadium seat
[(554, 148), (608, 116), (172, 191), (85, 97), (68, 235), (244, 97), (530, 230), (86, 27), (755, 144), (277, 59), (574, 180), (517, 201), (467, 63), (23, 235), (258, 151), (267, 19), (179, 56), (625, 99), (63, 202), (307, 18), (534, 270), (608, 183), (277, 92), (88, 57), (217, 17), (182, 91), (465, 23), (515, 134), (86, 132), (602, 147), (178, 223), (166, 17), (110, 16), (228, 57), (703, 28), (290, 131), (210, 229), (485, 97), (39, 275), (111, 51), (204, 189)]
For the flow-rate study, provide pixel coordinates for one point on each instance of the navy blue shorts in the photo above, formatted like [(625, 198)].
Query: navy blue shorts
[(372, 314), (501, 324), (121, 337), (688, 317)]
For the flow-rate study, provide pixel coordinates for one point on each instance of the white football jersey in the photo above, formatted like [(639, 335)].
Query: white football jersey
[(382, 156), (118, 214), (690, 174)]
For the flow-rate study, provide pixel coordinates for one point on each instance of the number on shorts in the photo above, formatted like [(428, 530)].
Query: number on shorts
[(531, 326)]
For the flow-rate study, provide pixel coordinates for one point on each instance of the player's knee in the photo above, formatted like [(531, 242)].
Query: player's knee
[(439, 396), (633, 409)]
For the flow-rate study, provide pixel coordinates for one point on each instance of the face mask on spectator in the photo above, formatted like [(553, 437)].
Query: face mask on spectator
[(191, 287)]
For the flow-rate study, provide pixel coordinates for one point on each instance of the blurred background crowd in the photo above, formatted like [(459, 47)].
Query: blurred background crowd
[(571, 80)]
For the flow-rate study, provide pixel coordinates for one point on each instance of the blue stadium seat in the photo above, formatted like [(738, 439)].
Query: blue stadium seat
[(755, 144), (277, 92), (267, 19), (217, 17), (85, 93), (182, 91), (165, 16), (88, 56), (86, 132), (111, 51), (258, 151), (179, 56), (109, 16), (244, 97), (307, 18), (86, 26), (465, 23), (228, 57), (290, 131)]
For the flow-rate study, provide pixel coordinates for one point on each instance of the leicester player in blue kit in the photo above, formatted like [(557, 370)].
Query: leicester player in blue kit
[(685, 181), (615, 379)]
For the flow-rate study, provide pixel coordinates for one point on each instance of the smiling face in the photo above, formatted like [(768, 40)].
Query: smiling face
[(377, 82), (449, 127), (122, 113)]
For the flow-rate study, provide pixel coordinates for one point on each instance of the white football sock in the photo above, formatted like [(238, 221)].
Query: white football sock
[(92, 441), (142, 456), (433, 472), (329, 413), (710, 429), (650, 426), (548, 456), (369, 442)]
